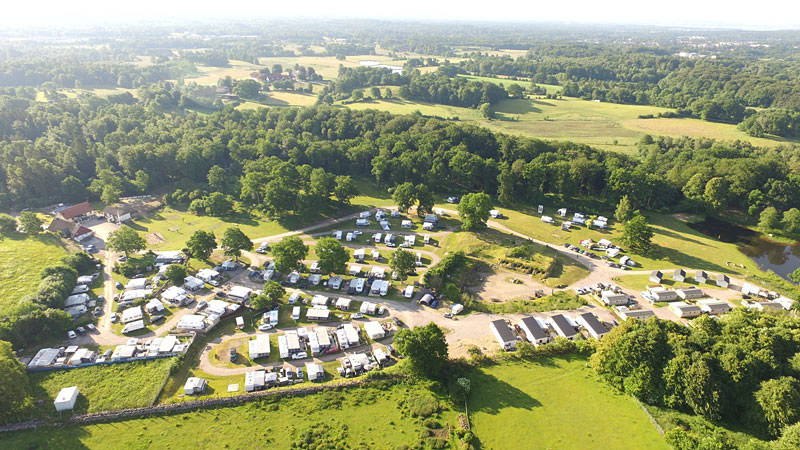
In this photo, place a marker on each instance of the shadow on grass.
(491, 395)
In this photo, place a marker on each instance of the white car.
(214, 283)
(301, 355)
(265, 327)
(357, 315)
(358, 232)
(71, 334)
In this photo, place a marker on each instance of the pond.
(780, 258)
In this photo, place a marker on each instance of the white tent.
(65, 400)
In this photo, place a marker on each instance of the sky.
(763, 14)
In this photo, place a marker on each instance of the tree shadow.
(672, 234)
(519, 107)
(491, 395)
(682, 259)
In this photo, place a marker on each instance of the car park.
(71, 334)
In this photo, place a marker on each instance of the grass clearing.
(525, 84)
(559, 403)
(22, 258)
(102, 388)
(374, 416)
(559, 301)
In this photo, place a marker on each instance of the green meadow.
(22, 258)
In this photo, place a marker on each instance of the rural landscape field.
(367, 231)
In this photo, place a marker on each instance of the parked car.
(81, 331)
(98, 311)
(233, 355)
(357, 315)
(202, 304)
(221, 294)
(71, 334)
(119, 285)
(101, 299)
(122, 258)
(265, 327)
(448, 315)
(91, 327)
(301, 355)
(214, 283)
(156, 318)
(138, 275)
(114, 318)
(397, 322)
(300, 374)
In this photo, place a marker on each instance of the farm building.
(315, 372)
(690, 293)
(503, 335)
(258, 347)
(192, 322)
(69, 230)
(700, 276)
(679, 275)
(66, 398)
(562, 326)
(612, 298)
(194, 385)
(656, 276)
(592, 325)
(75, 211)
(685, 310)
(192, 284)
(723, 281)
(534, 331)
(713, 306)
(131, 314)
(318, 314)
(374, 330)
(343, 303)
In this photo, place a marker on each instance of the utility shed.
(503, 335)
(656, 276)
(723, 281)
(700, 276)
(66, 398)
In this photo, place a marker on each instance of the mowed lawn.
(102, 388)
(555, 403)
(22, 259)
(369, 417)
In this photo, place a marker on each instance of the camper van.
(240, 323)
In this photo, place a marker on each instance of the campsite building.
(534, 331)
(318, 314)
(685, 310)
(374, 330)
(194, 385)
(193, 284)
(592, 325)
(343, 303)
(612, 298)
(503, 334)
(656, 276)
(723, 281)
(713, 306)
(315, 372)
(640, 314)
(679, 275)
(700, 276)
(131, 314)
(66, 398)
(562, 326)
(259, 347)
(690, 293)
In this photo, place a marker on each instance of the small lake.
(780, 258)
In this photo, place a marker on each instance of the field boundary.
(650, 416)
(172, 408)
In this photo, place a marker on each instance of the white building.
(661, 294)
(592, 325)
(240, 293)
(612, 298)
(318, 314)
(136, 283)
(626, 313)
(343, 303)
(192, 322)
(562, 326)
(194, 385)
(315, 372)
(685, 310)
(66, 398)
(713, 306)
(348, 336)
(319, 300)
(690, 293)
(374, 330)
(207, 274)
(131, 314)
(259, 347)
(534, 331)
(765, 306)
(192, 284)
(503, 334)
(174, 295)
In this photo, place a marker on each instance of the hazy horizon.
(734, 14)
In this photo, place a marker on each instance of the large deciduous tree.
(474, 210)
(30, 222)
(175, 273)
(779, 400)
(345, 189)
(402, 262)
(332, 255)
(14, 390)
(624, 211)
(425, 348)
(637, 234)
(404, 195)
(201, 244)
(289, 253)
(234, 241)
(126, 240)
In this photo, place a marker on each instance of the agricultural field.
(22, 259)
(102, 388)
(376, 416)
(559, 403)
(550, 88)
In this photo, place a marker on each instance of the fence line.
(652, 419)
(171, 408)
(101, 363)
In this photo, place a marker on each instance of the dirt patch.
(496, 286)
(155, 239)
(685, 217)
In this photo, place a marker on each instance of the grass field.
(555, 403)
(676, 244)
(550, 88)
(368, 417)
(102, 388)
(22, 259)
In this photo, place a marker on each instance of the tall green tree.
(201, 243)
(332, 255)
(474, 210)
(175, 273)
(234, 241)
(402, 262)
(125, 240)
(716, 193)
(770, 219)
(425, 199)
(30, 222)
(274, 291)
(345, 189)
(624, 211)
(637, 234)
(8, 224)
(404, 196)
(791, 221)
(779, 400)
(289, 254)
(425, 348)
(15, 388)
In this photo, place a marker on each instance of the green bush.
(423, 406)
(432, 423)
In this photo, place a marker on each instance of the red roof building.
(75, 211)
